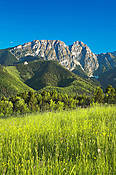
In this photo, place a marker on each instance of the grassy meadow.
(75, 142)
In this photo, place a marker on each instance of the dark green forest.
(42, 74)
(52, 100)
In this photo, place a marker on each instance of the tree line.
(28, 102)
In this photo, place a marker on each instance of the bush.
(6, 108)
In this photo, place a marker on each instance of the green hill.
(51, 75)
(10, 81)
(37, 75)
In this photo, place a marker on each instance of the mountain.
(108, 78)
(68, 56)
(79, 71)
(77, 58)
(106, 72)
(107, 61)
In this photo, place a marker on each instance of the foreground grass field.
(72, 143)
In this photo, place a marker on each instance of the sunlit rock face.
(69, 56)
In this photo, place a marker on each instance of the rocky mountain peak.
(68, 56)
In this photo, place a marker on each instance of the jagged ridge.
(68, 56)
(77, 57)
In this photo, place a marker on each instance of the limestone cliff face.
(68, 56)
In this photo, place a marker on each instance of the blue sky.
(90, 21)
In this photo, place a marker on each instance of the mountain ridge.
(77, 58)
(69, 56)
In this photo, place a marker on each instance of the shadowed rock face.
(68, 56)
(107, 61)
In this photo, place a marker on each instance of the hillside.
(40, 74)
(10, 81)
(108, 78)
(79, 71)
(57, 143)
(107, 62)
(6, 58)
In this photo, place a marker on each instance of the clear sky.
(90, 21)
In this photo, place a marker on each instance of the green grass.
(78, 142)
(10, 81)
